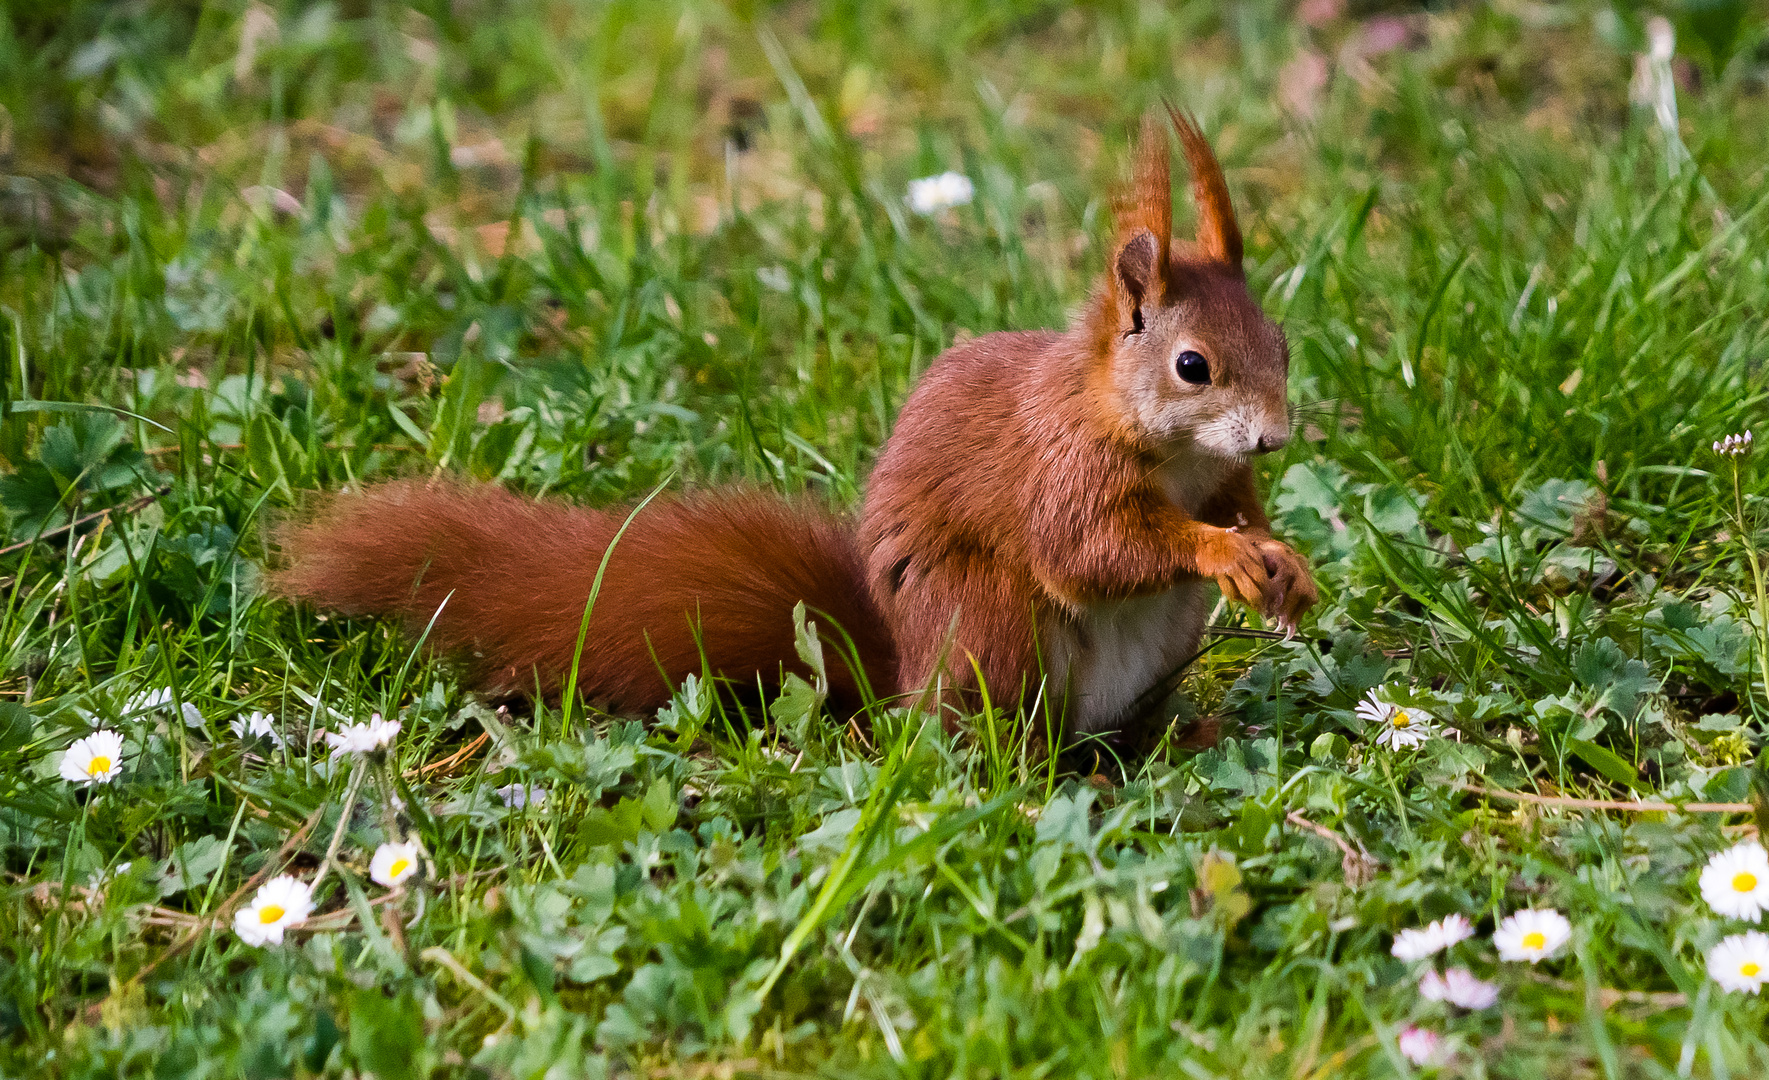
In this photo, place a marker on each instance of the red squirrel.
(1048, 513)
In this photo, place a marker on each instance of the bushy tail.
(716, 572)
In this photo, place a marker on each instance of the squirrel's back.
(506, 580)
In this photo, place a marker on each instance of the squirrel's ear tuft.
(1137, 270)
(1219, 238)
(1149, 205)
(1137, 274)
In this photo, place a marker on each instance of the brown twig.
(1338, 1059)
(155, 451)
(1609, 804)
(450, 761)
(339, 919)
(1218, 630)
(127, 508)
(1658, 999)
(706, 1070)
(390, 923)
(1359, 865)
(1295, 818)
(81, 899)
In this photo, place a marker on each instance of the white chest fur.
(1191, 478)
(1115, 650)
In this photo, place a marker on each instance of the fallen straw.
(1609, 804)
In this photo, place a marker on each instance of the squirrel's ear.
(1219, 238)
(1138, 273)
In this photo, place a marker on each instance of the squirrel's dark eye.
(1193, 368)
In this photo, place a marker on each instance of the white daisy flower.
(932, 194)
(393, 863)
(1534, 934)
(1422, 1046)
(516, 796)
(1397, 727)
(147, 701)
(280, 903)
(1410, 945)
(377, 734)
(1459, 987)
(96, 759)
(1740, 963)
(257, 725)
(1735, 882)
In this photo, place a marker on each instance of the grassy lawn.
(252, 250)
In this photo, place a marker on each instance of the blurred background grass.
(323, 191)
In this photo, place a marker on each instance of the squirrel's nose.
(1270, 441)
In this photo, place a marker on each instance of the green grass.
(583, 248)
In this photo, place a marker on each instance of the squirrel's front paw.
(1290, 588)
(1234, 560)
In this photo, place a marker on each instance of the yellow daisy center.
(1749, 969)
(98, 764)
(1744, 882)
(1401, 719)
(399, 867)
(1535, 939)
(270, 913)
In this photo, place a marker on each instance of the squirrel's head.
(1184, 352)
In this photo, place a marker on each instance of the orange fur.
(1149, 207)
(1219, 238)
(506, 580)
